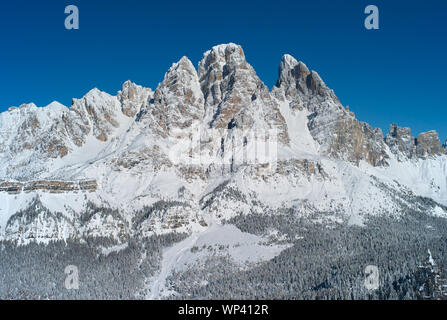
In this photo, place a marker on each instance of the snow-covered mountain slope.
(207, 144)
(221, 241)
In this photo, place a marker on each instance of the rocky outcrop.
(401, 142)
(354, 141)
(234, 94)
(301, 167)
(88, 185)
(31, 129)
(429, 145)
(31, 137)
(227, 81)
(133, 98)
(15, 187)
(338, 132)
(301, 87)
(97, 112)
(405, 146)
(178, 100)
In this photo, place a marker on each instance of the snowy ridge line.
(152, 151)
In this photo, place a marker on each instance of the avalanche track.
(243, 248)
(171, 257)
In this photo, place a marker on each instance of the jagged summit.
(178, 100)
(405, 146)
(183, 65)
(288, 60)
(223, 93)
(298, 83)
(234, 95)
(210, 174)
(137, 149)
(400, 141)
(221, 69)
(228, 51)
(133, 98)
(339, 134)
(428, 144)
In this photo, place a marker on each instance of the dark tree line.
(326, 263)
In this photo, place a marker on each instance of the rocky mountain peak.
(234, 95)
(96, 112)
(178, 100)
(298, 84)
(288, 62)
(291, 70)
(401, 142)
(56, 106)
(184, 64)
(133, 97)
(224, 54)
(338, 132)
(232, 89)
(404, 146)
(220, 69)
(428, 145)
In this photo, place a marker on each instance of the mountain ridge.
(197, 143)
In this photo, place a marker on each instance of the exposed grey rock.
(15, 187)
(338, 132)
(299, 85)
(405, 146)
(234, 94)
(178, 100)
(401, 142)
(133, 97)
(225, 93)
(97, 112)
(428, 145)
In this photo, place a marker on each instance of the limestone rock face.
(30, 137)
(301, 87)
(404, 146)
(222, 71)
(224, 94)
(234, 94)
(401, 142)
(133, 97)
(197, 148)
(338, 132)
(428, 145)
(40, 130)
(178, 100)
(97, 112)
(355, 141)
(15, 187)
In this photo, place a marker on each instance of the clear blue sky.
(395, 74)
